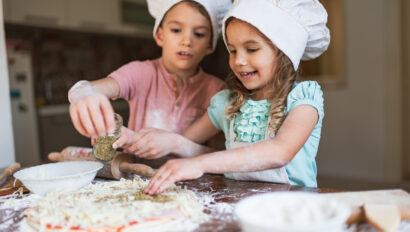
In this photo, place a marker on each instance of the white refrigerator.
(24, 117)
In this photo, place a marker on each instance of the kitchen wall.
(6, 135)
(361, 137)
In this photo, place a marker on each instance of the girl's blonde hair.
(280, 86)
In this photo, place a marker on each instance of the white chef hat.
(296, 27)
(215, 8)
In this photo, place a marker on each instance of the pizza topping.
(114, 205)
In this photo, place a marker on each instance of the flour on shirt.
(161, 120)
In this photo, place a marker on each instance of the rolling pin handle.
(72, 153)
(55, 156)
(13, 168)
(10, 170)
(140, 169)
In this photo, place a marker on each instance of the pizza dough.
(113, 206)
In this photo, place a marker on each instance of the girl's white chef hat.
(296, 27)
(215, 8)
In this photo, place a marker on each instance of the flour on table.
(11, 204)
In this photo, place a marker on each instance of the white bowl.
(69, 175)
(291, 212)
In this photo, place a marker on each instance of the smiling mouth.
(247, 75)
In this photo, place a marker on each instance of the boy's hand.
(93, 116)
(148, 143)
(173, 171)
(91, 111)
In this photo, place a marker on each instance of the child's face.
(185, 38)
(252, 56)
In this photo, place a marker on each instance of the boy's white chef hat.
(296, 27)
(215, 8)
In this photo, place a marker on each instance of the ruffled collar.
(251, 123)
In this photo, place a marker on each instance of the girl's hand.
(173, 171)
(148, 143)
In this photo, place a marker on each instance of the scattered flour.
(12, 207)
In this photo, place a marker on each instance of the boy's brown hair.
(197, 6)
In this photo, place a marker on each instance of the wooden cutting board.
(356, 200)
(11, 186)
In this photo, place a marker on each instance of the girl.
(271, 124)
(167, 93)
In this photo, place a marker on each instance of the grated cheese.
(112, 205)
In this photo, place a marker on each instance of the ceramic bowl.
(70, 175)
(291, 212)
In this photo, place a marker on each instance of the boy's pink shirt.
(149, 89)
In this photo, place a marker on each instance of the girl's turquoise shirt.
(250, 125)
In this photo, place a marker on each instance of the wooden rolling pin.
(8, 172)
(118, 168)
(8, 184)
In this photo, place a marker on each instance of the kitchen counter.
(230, 192)
(56, 129)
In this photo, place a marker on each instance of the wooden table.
(231, 191)
(221, 189)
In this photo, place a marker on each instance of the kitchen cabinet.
(91, 14)
(39, 12)
(133, 18)
(129, 17)
(6, 10)
(57, 130)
